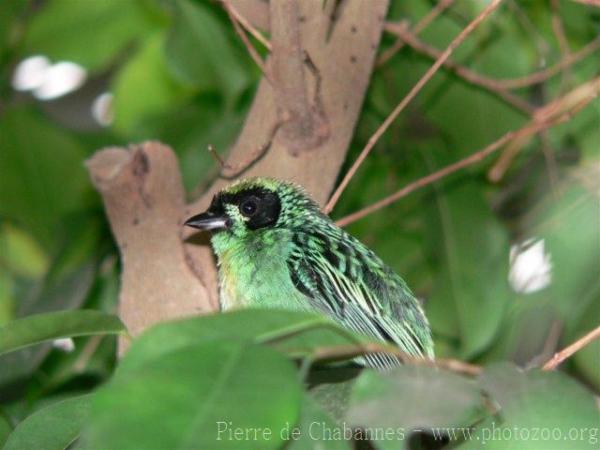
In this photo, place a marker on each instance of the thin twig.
(569, 103)
(530, 129)
(348, 351)
(251, 50)
(570, 350)
(441, 6)
(213, 152)
(549, 343)
(358, 348)
(246, 24)
(543, 75)
(413, 92)
(595, 3)
(559, 32)
(464, 72)
(231, 171)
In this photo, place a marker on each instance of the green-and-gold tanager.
(276, 249)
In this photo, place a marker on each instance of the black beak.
(207, 221)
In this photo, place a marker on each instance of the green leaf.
(44, 327)
(34, 160)
(198, 396)
(52, 295)
(412, 398)
(537, 410)
(54, 427)
(199, 52)
(5, 430)
(294, 332)
(65, 287)
(314, 431)
(569, 226)
(89, 33)
(472, 292)
(482, 118)
(144, 89)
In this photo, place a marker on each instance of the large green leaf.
(35, 158)
(293, 332)
(43, 327)
(472, 289)
(200, 54)
(88, 33)
(410, 398)
(54, 427)
(538, 410)
(207, 395)
(570, 228)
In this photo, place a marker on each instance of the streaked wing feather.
(359, 300)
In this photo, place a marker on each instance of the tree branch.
(144, 200)
(304, 126)
(168, 271)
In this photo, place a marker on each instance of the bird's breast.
(255, 275)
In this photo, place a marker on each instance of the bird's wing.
(338, 283)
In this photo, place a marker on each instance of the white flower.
(530, 266)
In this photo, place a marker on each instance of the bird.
(275, 248)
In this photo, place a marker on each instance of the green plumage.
(276, 249)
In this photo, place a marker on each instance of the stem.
(570, 350)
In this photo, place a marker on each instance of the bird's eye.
(249, 207)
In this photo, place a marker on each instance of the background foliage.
(179, 74)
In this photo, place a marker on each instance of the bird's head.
(256, 204)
